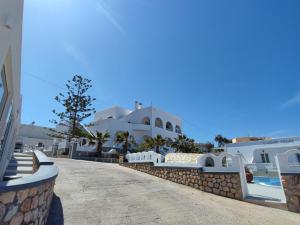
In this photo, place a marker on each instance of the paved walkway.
(91, 193)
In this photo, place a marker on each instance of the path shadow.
(56, 213)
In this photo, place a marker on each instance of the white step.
(19, 158)
(22, 155)
(20, 169)
(20, 163)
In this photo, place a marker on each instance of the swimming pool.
(269, 181)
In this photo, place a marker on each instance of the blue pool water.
(270, 181)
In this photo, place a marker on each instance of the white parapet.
(209, 162)
(144, 157)
(219, 163)
(288, 162)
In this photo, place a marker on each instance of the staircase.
(20, 165)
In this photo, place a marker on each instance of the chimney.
(136, 105)
(140, 106)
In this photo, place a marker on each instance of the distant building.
(140, 123)
(248, 139)
(11, 13)
(32, 136)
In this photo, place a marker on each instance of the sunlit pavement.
(89, 193)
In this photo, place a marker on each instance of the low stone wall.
(27, 200)
(28, 206)
(223, 184)
(291, 185)
(96, 159)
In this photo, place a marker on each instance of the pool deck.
(271, 193)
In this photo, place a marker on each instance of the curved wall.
(28, 200)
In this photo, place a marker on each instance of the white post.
(243, 177)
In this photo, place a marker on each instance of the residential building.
(32, 136)
(248, 139)
(11, 14)
(265, 151)
(140, 123)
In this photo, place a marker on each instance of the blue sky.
(229, 67)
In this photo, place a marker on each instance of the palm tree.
(222, 140)
(149, 143)
(209, 146)
(100, 139)
(126, 139)
(158, 142)
(184, 144)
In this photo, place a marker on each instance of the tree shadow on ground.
(56, 213)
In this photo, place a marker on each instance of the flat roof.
(285, 140)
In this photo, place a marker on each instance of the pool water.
(269, 181)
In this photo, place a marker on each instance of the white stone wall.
(286, 162)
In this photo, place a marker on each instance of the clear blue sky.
(229, 67)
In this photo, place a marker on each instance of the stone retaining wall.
(27, 200)
(28, 206)
(223, 184)
(96, 159)
(291, 185)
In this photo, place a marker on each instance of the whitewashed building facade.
(140, 123)
(11, 16)
(265, 151)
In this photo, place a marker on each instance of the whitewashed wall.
(11, 16)
(286, 162)
(142, 157)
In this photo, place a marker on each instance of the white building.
(140, 123)
(264, 151)
(11, 13)
(35, 136)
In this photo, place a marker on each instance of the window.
(265, 158)
(3, 90)
(209, 162)
(9, 122)
(178, 129)
(159, 123)
(146, 121)
(298, 157)
(224, 162)
(169, 126)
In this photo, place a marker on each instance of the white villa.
(264, 152)
(140, 123)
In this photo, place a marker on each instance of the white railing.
(144, 157)
(86, 148)
(63, 144)
(270, 167)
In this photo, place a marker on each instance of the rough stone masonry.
(291, 185)
(28, 206)
(223, 184)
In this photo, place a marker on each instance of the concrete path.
(91, 193)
